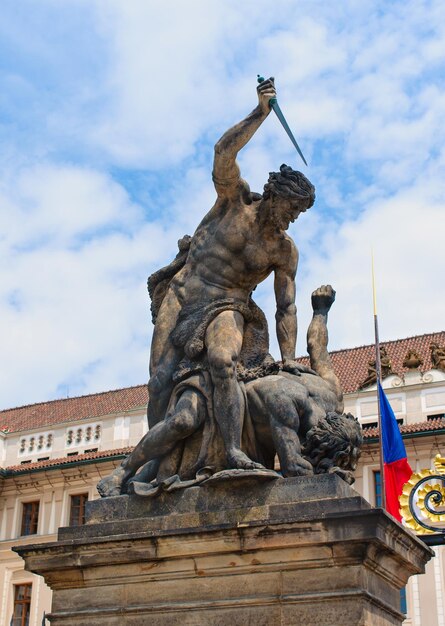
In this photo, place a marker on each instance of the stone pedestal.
(286, 552)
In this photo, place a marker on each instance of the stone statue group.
(220, 407)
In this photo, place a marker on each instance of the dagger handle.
(272, 101)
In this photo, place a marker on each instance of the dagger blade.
(276, 108)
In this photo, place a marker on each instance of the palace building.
(52, 455)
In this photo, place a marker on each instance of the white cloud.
(95, 91)
(73, 305)
(406, 233)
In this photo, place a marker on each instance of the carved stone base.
(290, 551)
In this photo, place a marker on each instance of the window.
(30, 518)
(77, 511)
(22, 605)
(377, 488)
(403, 607)
(366, 425)
(436, 416)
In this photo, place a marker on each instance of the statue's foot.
(297, 470)
(298, 467)
(112, 485)
(239, 460)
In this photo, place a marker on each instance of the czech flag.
(395, 464)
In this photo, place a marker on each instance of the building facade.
(53, 454)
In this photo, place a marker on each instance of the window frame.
(81, 514)
(35, 518)
(377, 487)
(25, 617)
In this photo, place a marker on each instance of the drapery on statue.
(217, 399)
(237, 245)
(299, 417)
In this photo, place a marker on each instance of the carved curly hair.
(289, 183)
(329, 445)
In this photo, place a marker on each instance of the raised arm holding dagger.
(238, 244)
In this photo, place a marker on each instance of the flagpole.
(378, 369)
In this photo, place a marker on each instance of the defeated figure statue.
(297, 417)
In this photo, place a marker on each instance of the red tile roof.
(350, 364)
(67, 460)
(409, 429)
(47, 414)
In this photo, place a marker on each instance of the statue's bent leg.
(224, 338)
(188, 415)
(288, 446)
(164, 359)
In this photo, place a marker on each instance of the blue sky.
(109, 111)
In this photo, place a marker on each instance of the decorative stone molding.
(397, 381)
(427, 377)
(83, 435)
(433, 376)
(413, 377)
(36, 443)
(304, 550)
(433, 400)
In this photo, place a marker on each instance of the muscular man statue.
(237, 245)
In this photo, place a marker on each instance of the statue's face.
(348, 459)
(284, 211)
(355, 455)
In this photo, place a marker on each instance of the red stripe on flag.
(397, 474)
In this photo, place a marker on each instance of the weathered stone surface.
(236, 495)
(218, 399)
(300, 551)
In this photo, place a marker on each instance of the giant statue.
(218, 401)
(240, 241)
